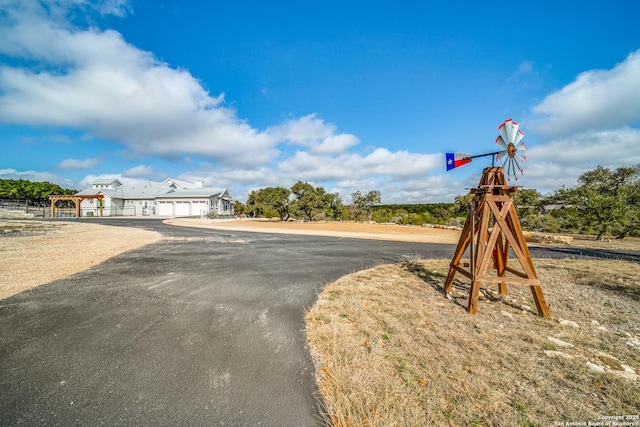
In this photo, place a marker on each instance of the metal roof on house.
(144, 190)
(113, 193)
(149, 190)
(105, 181)
(193, 192)
(182, 184)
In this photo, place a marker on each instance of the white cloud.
(587, 123)
(76, 164)
(138, 171)
(97, 84)
(401, 164)
(381, 162)
(609, 147)
(596, 100)
(94, 81)
(560, 161)
(304, 130)
(314, 134)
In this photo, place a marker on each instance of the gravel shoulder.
(399, 233)
(39, 252)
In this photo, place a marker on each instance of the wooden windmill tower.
(492, 232)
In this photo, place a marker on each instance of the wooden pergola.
(77, 200)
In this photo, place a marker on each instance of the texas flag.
(455, 160)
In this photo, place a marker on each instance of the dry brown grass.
(391, 349)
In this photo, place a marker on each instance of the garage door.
(165, 208)
(182, 208)
(199, 208)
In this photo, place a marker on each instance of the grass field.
(391, 349)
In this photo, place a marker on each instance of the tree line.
(304, 201)
(604, 202)
(34, 192)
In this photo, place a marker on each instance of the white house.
(170, 197)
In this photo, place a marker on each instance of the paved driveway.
(203, 328)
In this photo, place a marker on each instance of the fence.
(111, 211)
(24, 206)
(44, 210)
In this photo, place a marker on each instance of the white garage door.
(165, 208)
(182, 208)
(198, 208)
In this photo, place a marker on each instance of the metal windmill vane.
(510, 140)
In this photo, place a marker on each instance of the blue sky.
(345, 95)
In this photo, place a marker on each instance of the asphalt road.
(202, 328)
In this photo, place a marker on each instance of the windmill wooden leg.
(505, 261)
(449, 281)
(476, 257)
(462, 246)
(541, 304)
(472, 306)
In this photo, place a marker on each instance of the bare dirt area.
(38, 252)
(401, 233)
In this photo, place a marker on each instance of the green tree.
(602, 200)
(239, 208)
(462, 205)
(334, 208)
(362, 205)
(528, 207)
(34, 192)
(440, 214)
(269, 202)
(382, 215)
(308, 200)
(631, 220)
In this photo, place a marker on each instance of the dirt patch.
(38, 252)
(400, 233)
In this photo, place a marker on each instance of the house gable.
(106, 184)
(182, 185)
